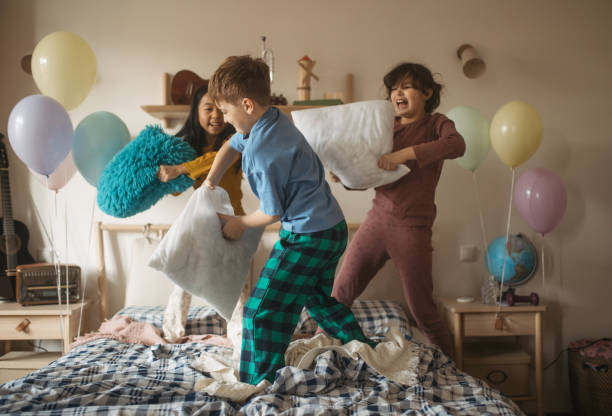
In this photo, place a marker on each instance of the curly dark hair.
(422, 79)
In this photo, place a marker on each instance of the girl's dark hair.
(193, 133)
(422, 79)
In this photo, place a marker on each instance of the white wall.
(554, 54)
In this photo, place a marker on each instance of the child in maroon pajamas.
(399, 224)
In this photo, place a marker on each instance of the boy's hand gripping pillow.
(350, 139)
(196, 257)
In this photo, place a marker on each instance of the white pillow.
(196, 257)
(349, 139)
(146, 286)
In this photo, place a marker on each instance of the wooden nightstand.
(35, 322)
(477, 320)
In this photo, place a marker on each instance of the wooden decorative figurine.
(304, 74)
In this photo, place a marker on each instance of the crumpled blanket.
(395, 358)
(124, 329)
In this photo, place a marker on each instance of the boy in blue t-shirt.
(288, 178)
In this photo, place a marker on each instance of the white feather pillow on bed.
(349, 139)
(196, 257)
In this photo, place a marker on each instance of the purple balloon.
(541, 199)
(40, 133)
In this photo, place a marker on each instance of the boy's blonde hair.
(241, 77)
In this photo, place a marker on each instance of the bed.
(107, 376)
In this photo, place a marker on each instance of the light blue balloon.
(97, 138)
(474, 127)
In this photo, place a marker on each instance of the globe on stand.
(515, 261)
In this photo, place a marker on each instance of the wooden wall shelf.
(167, 113)
(171, 114)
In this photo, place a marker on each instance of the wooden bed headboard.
(120, 228)
(386, 285)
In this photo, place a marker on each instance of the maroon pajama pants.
(410, 249)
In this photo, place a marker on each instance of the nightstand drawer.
(510, 379)
(16, 364)
(30, 327)
(483, 324)
(504, 366)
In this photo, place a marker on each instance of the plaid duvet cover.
(109, 377)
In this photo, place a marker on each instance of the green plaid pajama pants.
(300, 272)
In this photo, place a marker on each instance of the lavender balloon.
(541, 199)
(40, 133)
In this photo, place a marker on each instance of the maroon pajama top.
(398, 226)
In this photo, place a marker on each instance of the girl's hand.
(333, 177)
(232, 227)
(166, 173)
(387, 162)
(390, 161)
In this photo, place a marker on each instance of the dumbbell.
(511, 299)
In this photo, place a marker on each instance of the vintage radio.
(37, 283)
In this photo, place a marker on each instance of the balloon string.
(40, 220)
(543, 267)
(55, 262)
(501, 282)
(91, 222)
(482, 223)
(66, 252)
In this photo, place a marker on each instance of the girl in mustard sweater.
(206, 130)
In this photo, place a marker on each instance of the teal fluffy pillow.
(129, 184)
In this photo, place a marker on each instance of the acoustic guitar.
(14, 235)
(183, 85)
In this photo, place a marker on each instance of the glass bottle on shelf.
(268, 57)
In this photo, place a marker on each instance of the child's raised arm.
(224, 159)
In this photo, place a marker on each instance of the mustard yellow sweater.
(198, 168)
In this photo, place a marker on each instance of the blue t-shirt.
(286, 175)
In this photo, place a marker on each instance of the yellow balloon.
(516, 132)
(64, 68)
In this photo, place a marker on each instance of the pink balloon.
(541, 199)
(522, 192)
(60, 177)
